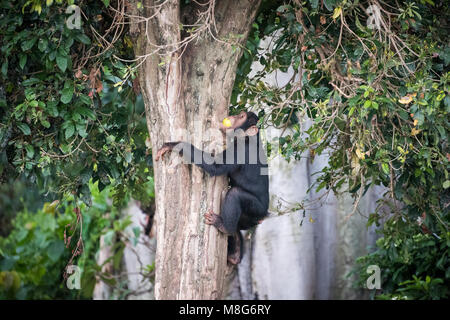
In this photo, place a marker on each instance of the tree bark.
(189, 89)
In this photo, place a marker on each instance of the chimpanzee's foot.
(234, 258)
(215, 220)
(211, 217)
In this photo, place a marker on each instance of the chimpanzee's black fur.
(247, 200)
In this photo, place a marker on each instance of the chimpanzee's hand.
(163, 150)
(166, 147)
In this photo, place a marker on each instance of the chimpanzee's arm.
(215, 166)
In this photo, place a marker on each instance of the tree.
(188, 54)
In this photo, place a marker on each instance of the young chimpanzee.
(244, 162)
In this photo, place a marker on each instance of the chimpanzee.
(244, 162)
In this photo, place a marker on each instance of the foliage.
(18, 195)
(68, 108)
(70, 113)
(33, 256)
(413, 265)
(375, 100)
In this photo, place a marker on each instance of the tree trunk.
(188, 88)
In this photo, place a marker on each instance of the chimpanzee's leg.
(231, 212)
(235, 243)
(240, 210)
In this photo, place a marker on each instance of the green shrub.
(413, 263)
(33, 256)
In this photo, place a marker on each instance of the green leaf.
(66, 95)
(358, 24)
(117, 258)
(85, 112)
(61, 61)
(85, 99)
(55, 250)
(30, 151)
(352, 109)
(52, 108)
(42, 44)
(24, 128)
(385, 167)
(5, 67)
(128, 156)
(30, 82)
(446, 184)
(329, 4)
(52, 55)
(45, 123)
(70, 130)
(82, 132)
(28, 44)
(83, 38)
(22, 60)
(137, 233)
(419, 117)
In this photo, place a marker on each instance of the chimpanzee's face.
(234, 122)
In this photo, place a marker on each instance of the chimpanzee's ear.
(253, 130)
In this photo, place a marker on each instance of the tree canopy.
(68, 108)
